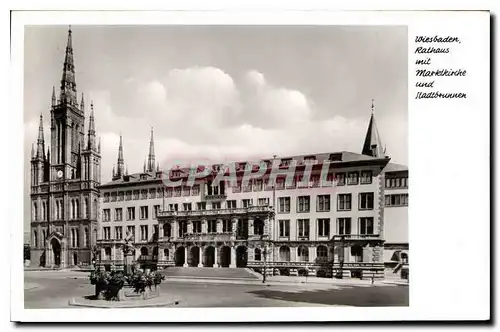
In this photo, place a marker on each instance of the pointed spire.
(113, 175)
(126, 169)
(91, 134)
(151, 156)
(120, 165)
(157, 167)
(373, 145)
(40, 144)
(32, 150)
(82, 104)
(373, 106)
(68, 83)
(53, 96)
(48, 155)
(144, 168)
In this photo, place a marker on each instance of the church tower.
(372, 145)
(65, 180)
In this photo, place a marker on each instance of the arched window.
(166, 253)
(284, 254)
(257, 255)
(303, 254)
(85, 207)
(77, 240)
(44, 237)
(43, 211)
(86, 237)
(94, 209)
(144, 251)
(35, 239)
(155, 251)
(35, 211)
(72, 210)
(322, 253)
(77, 208)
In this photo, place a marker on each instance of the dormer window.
(286, 162)
(335, 157)
(144, 177)
(176, 173)
(310, 160)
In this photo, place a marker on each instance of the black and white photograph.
(183, 166)
(216, 166)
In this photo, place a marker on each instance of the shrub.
(108, 283)
(158, 277)
(141, 280)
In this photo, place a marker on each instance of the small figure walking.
(373, 280)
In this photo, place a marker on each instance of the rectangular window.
(366, 177)
(106, 233)
(231, 204)
(396, 200)
(247, 186)
(136, 194)
(118, 233)
(186, 191)
(366, 201)
(263, 201)
(344, 226)
(197, 226)
(227, 226)
(284, 228)
(106, 197)
(323, 203)
(352, 178)
(168, 192)
(344, 202)
(196, 189)
(324, 227)
(257, 185)
(156, 211)
(366, 225)
(303, 228)
(131, 213)
(303, 203)
(113, 197)
(200, 206)
(173, 207)
(144, 232)
(186, 206)
(212, 226)
(105, 215)
(131, 231)
(152, 193)
(144, 212)
(340, 179)
(247, 203)
(284, 204)
(128, 195)
(177, 191)
(216, 206)
(286, 162)
(118, 214)
(144, 194)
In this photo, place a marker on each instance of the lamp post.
(265, 261)
(342, 257)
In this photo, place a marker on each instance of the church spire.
(40, 143)
(151, 157)
(53, 96)
(120, 165)
(373, 145)
(82, 104)
(91, 134)
(68, 83)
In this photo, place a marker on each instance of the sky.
(223, 93)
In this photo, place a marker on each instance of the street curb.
(112, 305)
(209, 278)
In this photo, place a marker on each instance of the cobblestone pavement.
(56, 288)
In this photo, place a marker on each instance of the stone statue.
(128, 248)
